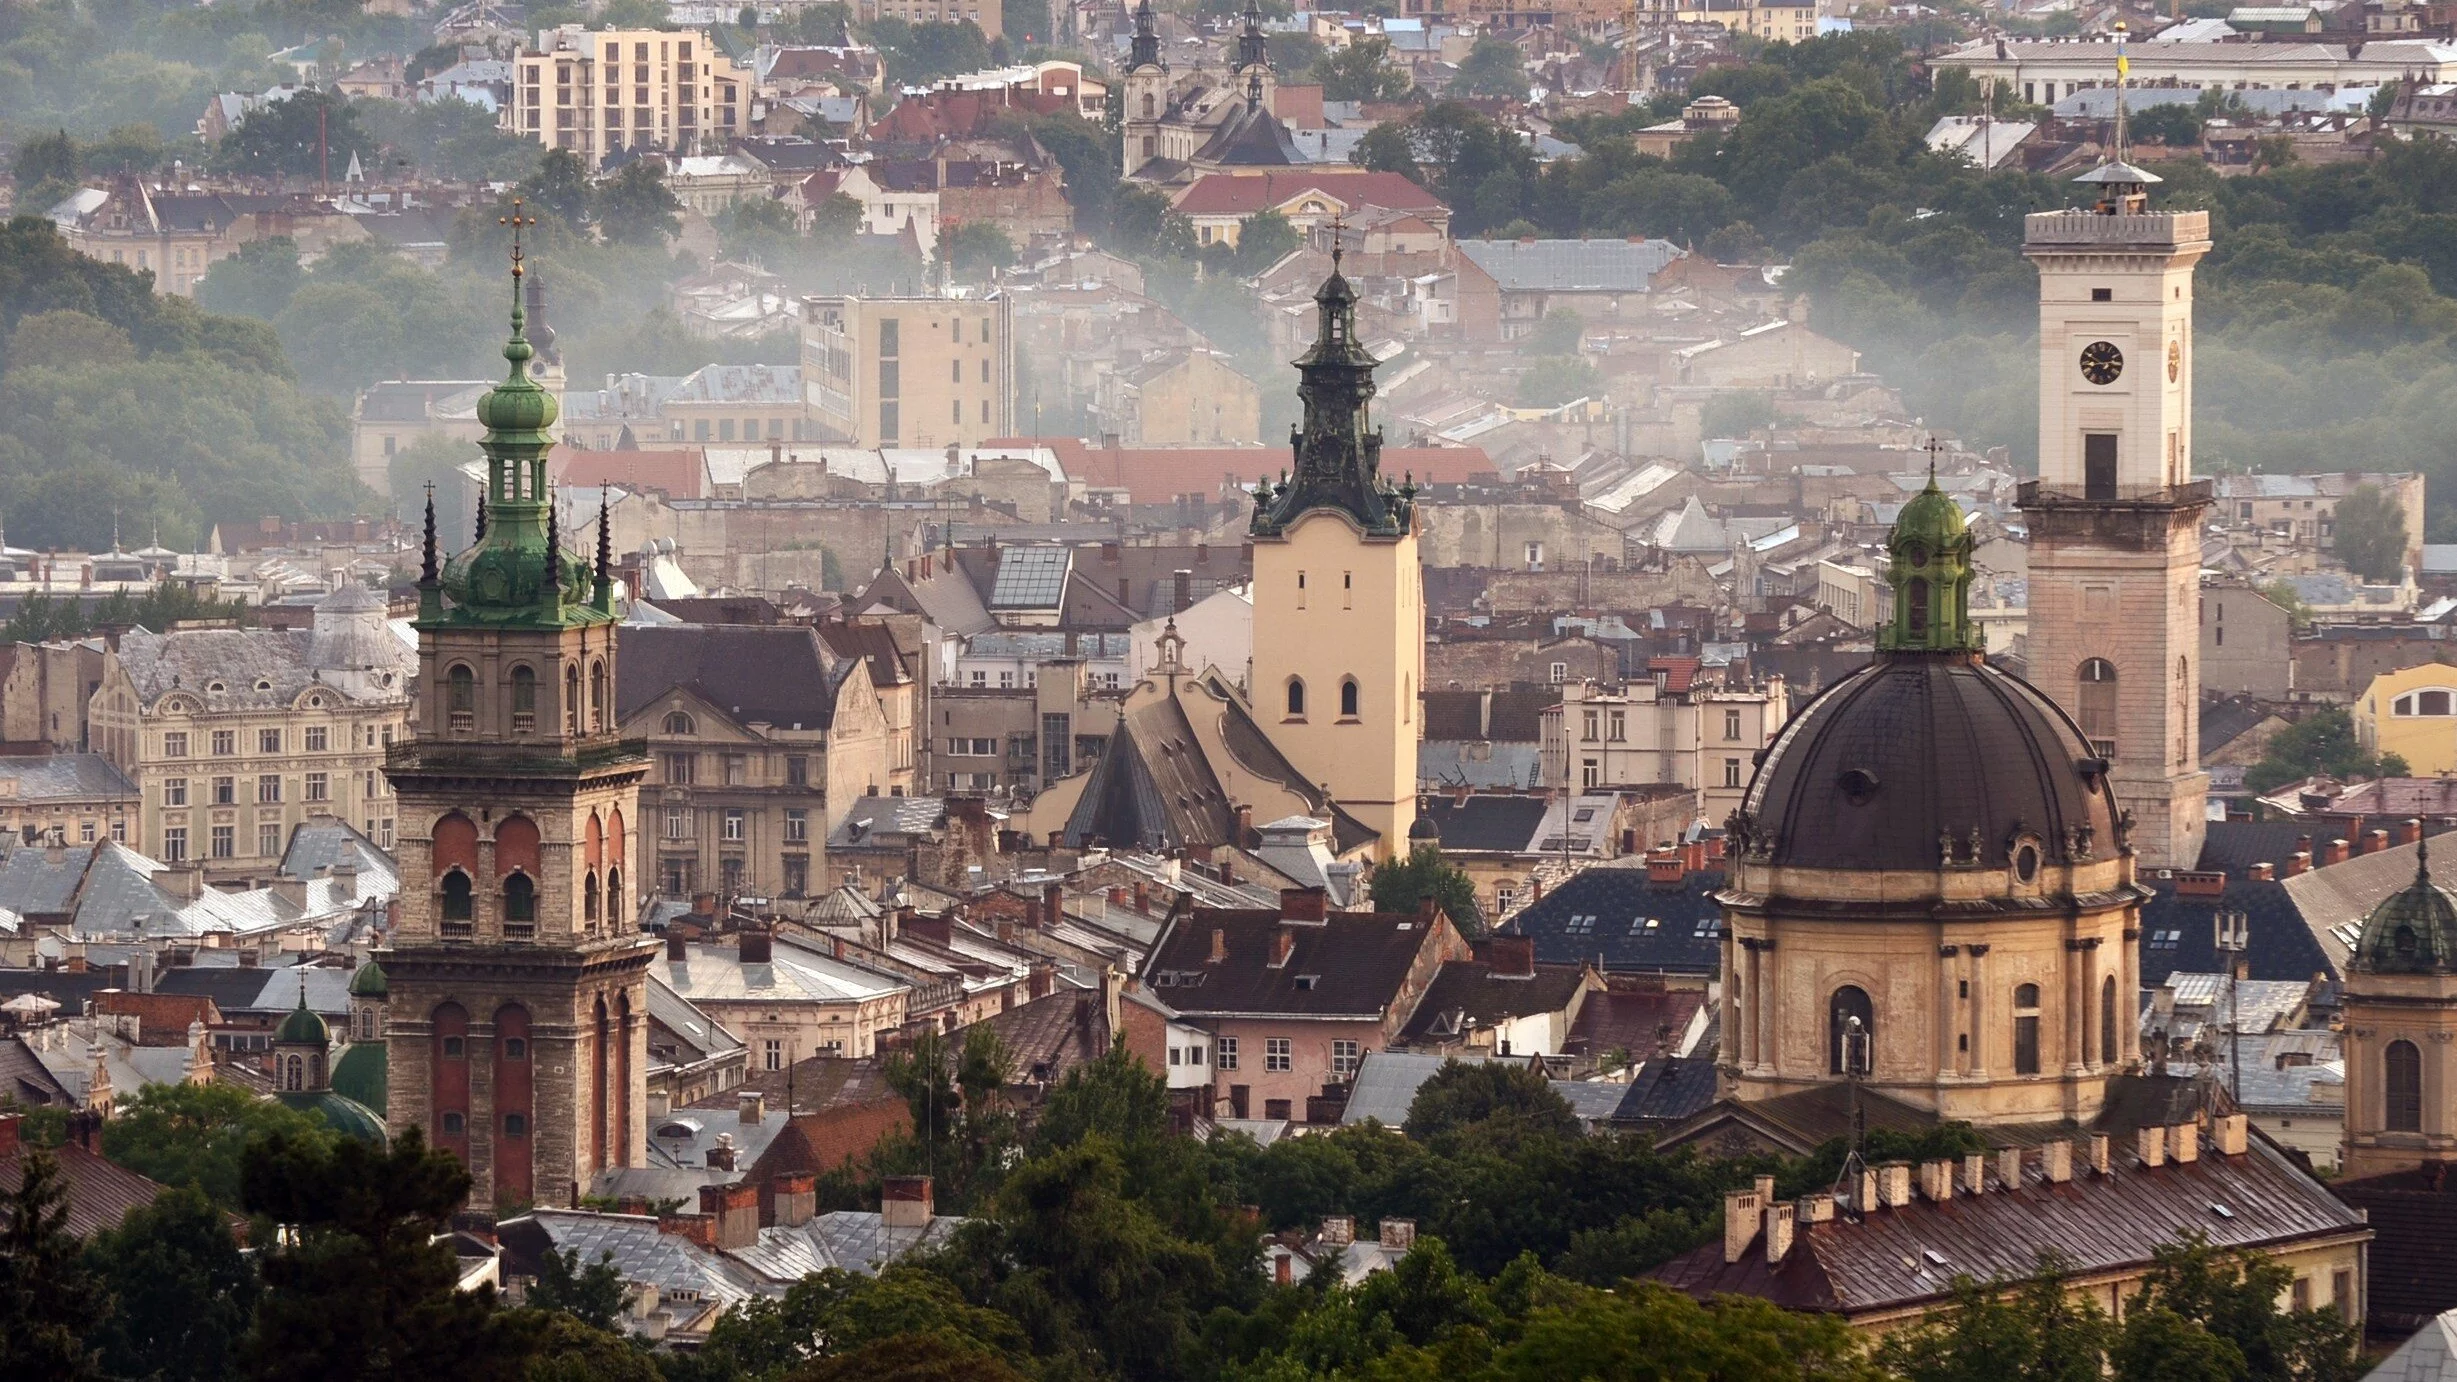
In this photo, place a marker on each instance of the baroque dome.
(1921, 760)
(2413, 930)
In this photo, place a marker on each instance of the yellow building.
(910, 371)
(1339, 605)
(2413, 714)
(601, 93)
(1189, 397)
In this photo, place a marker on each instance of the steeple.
(605, 553)
(1147, 38)
(1338, 450)
(1929, 567)
(1252, 50)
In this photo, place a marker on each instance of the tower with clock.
(2115, 515)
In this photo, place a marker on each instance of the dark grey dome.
(1910, 750)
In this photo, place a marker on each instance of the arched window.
(1296, 697)
(679, 723)
(457, 896)
(294, 1074)
(2402, 1071)
(571, 698)
(1147, 105)
(597, 696)
(615, 906)
(2107, 1020)
(461, 695)
(1851, 1032)
(1348, 697)
(588, 900)
(1918, 591)
(2026, 1029)
(524, 697)
(519, 898)
(2098, 704)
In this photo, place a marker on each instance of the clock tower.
(2115, 515)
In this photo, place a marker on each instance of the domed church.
(1932, 890)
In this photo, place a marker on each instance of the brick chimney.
(1937, 1179)
(1974, 1172)
(2409, 830)
(735, 1208)
(2299, 862)
(2228, 1134)
(1815, 1209)
(1053, 903)
(1740, 1218)
(1219, 946)
(1511, 957)
(2152, 1145)
(904, 1202)
(755, 947)
(1338, 1231)
(677, 949)
(2201, 883)
(1894, 1184)
(2375, 841)
(1779, 1232)
(754, 1106)
(2333, 852)
(1667, 868)
(1283, 945)
(8, 1133)
(2056, 1162)
(721, 1153)
(1398, 1235)
(796, 1198)
(699, 1228)
(1303, 904)
(2102, 1154)
(2184, 1143)
(2009, 1168)
(2263, 873)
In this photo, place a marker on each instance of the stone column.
(2073, 1014)
(1978, 1063)
(2128, 990)
(1751, 997)
(1769, 1035)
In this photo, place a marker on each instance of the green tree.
(2234, 1295)
(1461, 1095)
(311, 133)
(47, 158)
(358, 1284)
(68, 337)
(593, 1294)
(2322, 742)
(560, 186)
(1425, 875)
(2037, 1331)
(1736, 414)
(1264, 239)
(49, 1301)
(635, 207)
(258, 281)
(182, 1291)
(1560, 333)
(1388, 148)
(977, 249)
(1116, 1097)
(961, 1126)
(759, 228)
(202, 1135)
(1494, 67)
(1646, 1331)
(2371, 533)
(1557, 379)
(2175, 124)
(1025, 20)
(917, 54)
(1736, 243)
(1362, 71)
(909, 1358)
(838, 1314)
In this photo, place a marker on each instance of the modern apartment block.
(602, 93)
(910, 371)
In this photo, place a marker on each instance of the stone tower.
(2115, 515)
(1147, 93)
(1339, 606)
(2401, 1032)
(1252, 68)
(517, 1026)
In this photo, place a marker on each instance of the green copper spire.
(1929, 568)
(517, 572)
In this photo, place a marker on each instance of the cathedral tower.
(2401, 1031)
(1339, 607)
(517, 1032)
(1146, 95)
(2115, 515)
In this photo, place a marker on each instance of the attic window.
(1306, 982)
(1707, 926)
(2221, 1210)
(216, 686)
(1581, 924)
(1584, 813)
(1639, 926)
(263, 685)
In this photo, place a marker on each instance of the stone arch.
(1847, 1002)
(2401, 1080)
(453, 844)
(516, 846)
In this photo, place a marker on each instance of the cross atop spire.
(1339, 227)
(1933, 447)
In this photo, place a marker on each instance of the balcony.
(2039, 494)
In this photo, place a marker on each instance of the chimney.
(1338, 1231)
(2333, 852)
(1974, 1173)
(2263, 873)
(1181, 593)
(756, 947)
(2409, 830)
(904, 1202)
(736, 1211)
(1667, 868)
(1937, 1179)
(2153, 1146)
(1511, 957)
(2102, 1154)
(1245, 826)
(1815, 1209)
(1053, 903)
(249, 958)
(1399, 1235)
(1894, 1184)
(1219, 946)
(1283, 945)
(2227, 1134)
(2299, 862)
(699, 1228)
(796, 1199)
(1303, 904)
(2201, 883)
(1740, 1217)
(2056, 1162)
(8, 1133)
(2184, 1143)
(290, 891)
(1778, 1232)
(2375, 841)
(721, 1154)
(754, 1106)
(2009, 1168)
(1864, 1191)
(677, 949)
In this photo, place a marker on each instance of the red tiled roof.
(1159, 474)
(100, 1195)
(1224, 194)
(1679, 672)
(943, 114)
(680, 472)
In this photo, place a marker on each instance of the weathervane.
(1339, 227)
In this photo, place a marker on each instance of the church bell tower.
(517, 1032)
(1339, 605)
(2115, 515)
(1146, 95)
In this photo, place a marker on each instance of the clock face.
(2175, 361)
(2102, 362)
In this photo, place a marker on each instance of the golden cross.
(516, 221)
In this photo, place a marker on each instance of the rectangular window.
(175, 744)
(797, 825)
(1731, 724)
(268, 787)
(1731, 772)
(1590, 774)
(1344, 1059)
(891, 379)
(319, 738)
(2026, 1045)
(85, 832)
(319, 787)
(772, 1054)
(1617, 726)
(225, 841)
(797, 770)
(269, 839)
(737, 770)
(1590, 720)
(678, 822)
(2099, 465)
(2301, 1293)
(1278, 1053)
(1227, 1047)
(1057, 746)
(2342, 1293)
(888, 335)
(225, 791)
(175, 791)
(734, 827)
(678, 768)
(119, 831)
(268, 741)
(225, 743)
(887, 421)
(797, 875)
(175, 845)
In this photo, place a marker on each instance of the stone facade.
(1706, 739)
(2247, 643)
(910, 371)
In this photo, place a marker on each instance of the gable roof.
(1350, 966)
(1228, 194)
(781, 675)
(1600, 916)
(1589, 266)
(1494, 822)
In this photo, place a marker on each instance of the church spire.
(1253, 51)
(1338, 450)
(605, 552)
(1929, 567)
(1147, 37)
